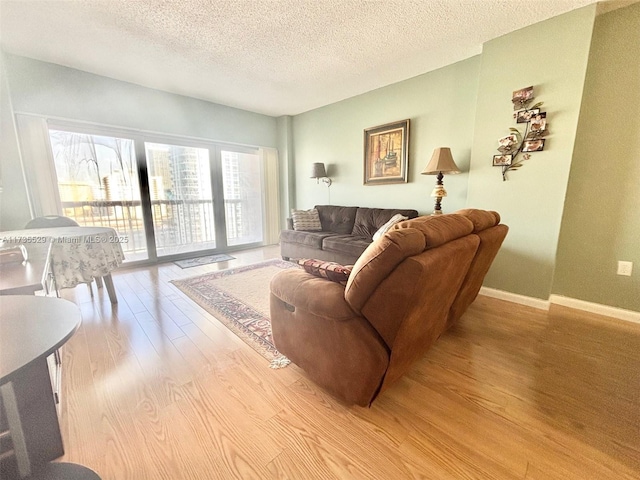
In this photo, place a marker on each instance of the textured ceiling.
(278, 57)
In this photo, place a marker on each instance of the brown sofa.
(346, 233)
(404, 291)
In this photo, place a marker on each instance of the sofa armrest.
(313, 326)
(319, 296)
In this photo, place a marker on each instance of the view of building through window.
(181, 198)
(98, 185)
(242, 197)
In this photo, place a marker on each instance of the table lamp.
(441, 162)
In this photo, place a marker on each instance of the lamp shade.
(318, 171)
(441, 161)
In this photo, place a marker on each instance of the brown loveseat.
(346, 233)
(404, 291)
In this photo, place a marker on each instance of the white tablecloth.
(77, 254)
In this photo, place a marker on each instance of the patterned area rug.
(239, 298)
(196, 262)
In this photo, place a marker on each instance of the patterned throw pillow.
(308, 220)
(329, 270)
(385, 228)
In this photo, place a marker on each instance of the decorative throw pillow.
(308, 220)
(392, 221)
(329, 270)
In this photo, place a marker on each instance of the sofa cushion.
(306, 220)
(347, 244)
(378, 261)
(337, 219)
(369, 220)
(330, 270)
(309, 239)
(387, 226)
(481, 219)
(438, 229)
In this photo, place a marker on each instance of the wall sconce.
(441, 162)
(318, 172)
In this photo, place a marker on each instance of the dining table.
(31, 329)
(74, 255)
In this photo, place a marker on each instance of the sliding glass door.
(98, 185)
(242, 176)
(192, 196)
(181, 198)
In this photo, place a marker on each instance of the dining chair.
(52, 221)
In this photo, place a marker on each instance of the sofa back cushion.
(409, 308)
(438, 229)
(377, 261)
(369, 220)
(397, 218)
(491, 234)
(337, 219)
(404, 240)
(481, 219)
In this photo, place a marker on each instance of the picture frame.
(386, 153)
(521, 97)
(538, 123)
(502, 160)
(507, 144)
(536, 145)
(524, 116)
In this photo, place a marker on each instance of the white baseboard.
(515, 298)
(621, 313)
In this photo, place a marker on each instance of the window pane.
(242, 180)
(98, 185)
(181, 198)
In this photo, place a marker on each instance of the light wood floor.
(156, 388)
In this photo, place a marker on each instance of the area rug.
(196, 262)
(239, 298)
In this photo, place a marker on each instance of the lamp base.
(437, 209)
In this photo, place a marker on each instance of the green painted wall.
(601, 223)
(287, 166)
(441, 107)
(552, 56)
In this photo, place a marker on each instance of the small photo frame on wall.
(507, 144)
(533, 145)
(538, 122)
(386, 153)
(523, 116)
(521, 97)
(502, 160)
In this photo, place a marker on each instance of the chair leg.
(98, 282)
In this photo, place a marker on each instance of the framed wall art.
(386, 153)
(502, 160)
(536, 145)
(518, 146)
